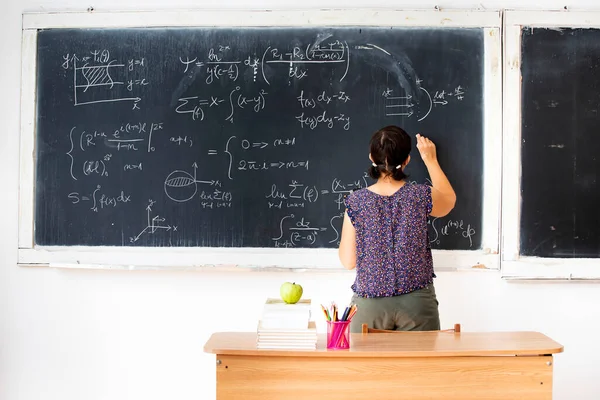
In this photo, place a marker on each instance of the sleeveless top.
(393, 253)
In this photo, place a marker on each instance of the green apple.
(290, 292)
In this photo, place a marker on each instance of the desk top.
(399, 344)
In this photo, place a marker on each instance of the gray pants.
(414, 311)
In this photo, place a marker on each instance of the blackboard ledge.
(213, 268)
(527, 269)
(224, 259)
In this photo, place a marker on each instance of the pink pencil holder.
(338, 335)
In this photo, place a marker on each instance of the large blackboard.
(560, 143)
(244, 137)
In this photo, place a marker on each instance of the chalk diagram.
(406, 103)
(153, 224)
(181, 186)
(94, 84)
(403, 106)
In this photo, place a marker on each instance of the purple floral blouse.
(393, 255)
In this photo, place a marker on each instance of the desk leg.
(461, 378)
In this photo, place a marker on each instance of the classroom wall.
(96, 335)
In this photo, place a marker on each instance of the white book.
(264, 338)
(276, 306)
(279, 315)
(286, 346)
(288, 341)
(288, 315)
(273, 324)
(266, 333)
(285, 326)
(273, 303)
(291, 312)
(284, 323)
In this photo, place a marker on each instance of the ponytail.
(376, 170)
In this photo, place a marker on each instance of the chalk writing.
(216, 199)
(296, 195)
(405, 106)
(297, 59)
(397, 105)
(196, 106)
(283, 117)
(313, 122)
(128, 137)
(99, 200)
(185, 140)
(322, 99)
(284, 142)
(248, 165)
(153, 224)
(451, 227)
(181, 186)
(133, 167)
(299, 232)
(98, 78)
(340, 189)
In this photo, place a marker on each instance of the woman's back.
(393, 255)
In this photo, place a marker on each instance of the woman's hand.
(442, 193)
(426, 148)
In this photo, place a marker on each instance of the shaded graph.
(99, 79)
(181, 186)
(95, 84)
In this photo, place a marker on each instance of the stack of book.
(286, 326)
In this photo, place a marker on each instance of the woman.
(384, 236)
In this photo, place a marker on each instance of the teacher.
(385, 236)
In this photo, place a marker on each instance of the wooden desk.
(407, 365)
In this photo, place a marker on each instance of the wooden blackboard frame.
(30, 254)
(515, 266)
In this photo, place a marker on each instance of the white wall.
(79, 334)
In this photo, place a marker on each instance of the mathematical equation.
(184, 185)
(98, 200)
(298, 195)
(295, 231)
(451, 227)
(128, 137)
(231, 89)
(301, 232)
(220, 63)
(196, 106)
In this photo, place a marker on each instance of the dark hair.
(389, 147)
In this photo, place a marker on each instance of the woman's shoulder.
(354, 197)
(414, 187)
(358, 193)
(417, 190)
(419, 195)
